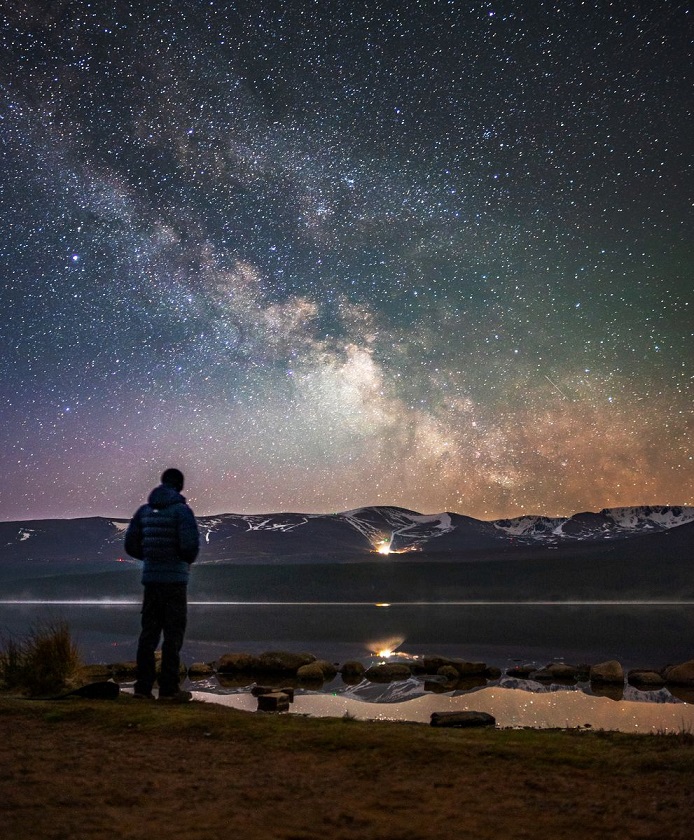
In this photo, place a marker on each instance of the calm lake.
(638, 635)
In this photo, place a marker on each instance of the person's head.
(173, 478)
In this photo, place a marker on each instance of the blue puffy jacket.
(164, 534)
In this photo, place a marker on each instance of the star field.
(322, 255)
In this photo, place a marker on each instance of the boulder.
(469, 669)
(352, 673)
(259, 690)
(275, 701)
(283, 662)
(555, 672)
(468, 683)
(311, 673)
(610, 672)
(388, 672)
(541, 675)
(646, 678)
(329, 669)
(462, 719)
(431, 664)
(492, 672)
(680, 674)
(123, 669)
(234, 663)
(200, 669)
(352, 668)
(449, 672)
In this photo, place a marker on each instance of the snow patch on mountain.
(647, 517)
(440, 521)
(397, 528)
(530, 526)
(275, 522)
(375, 523)
(208, 526)
(609, 523)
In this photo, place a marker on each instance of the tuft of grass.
(683, 736)
(43, 663)
(11, 660)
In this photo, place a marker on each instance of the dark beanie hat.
(174, 478)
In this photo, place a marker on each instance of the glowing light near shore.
(385, 648)
(385, 547)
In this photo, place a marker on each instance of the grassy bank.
(77, 769)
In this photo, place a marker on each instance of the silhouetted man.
(164, 534)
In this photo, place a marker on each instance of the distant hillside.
(352, 536)
(384, 553)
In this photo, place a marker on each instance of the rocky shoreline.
(439, 673)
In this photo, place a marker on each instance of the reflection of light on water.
(510, 707)
(387, 648)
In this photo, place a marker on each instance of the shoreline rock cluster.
(440, 673)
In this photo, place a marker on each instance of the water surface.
(638, 635)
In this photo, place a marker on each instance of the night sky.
(324, 254)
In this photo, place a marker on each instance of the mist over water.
(115, 602)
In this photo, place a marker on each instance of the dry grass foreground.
(74, 769)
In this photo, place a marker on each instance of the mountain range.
(355, 535)
(386, 552)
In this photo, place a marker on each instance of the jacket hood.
(165, 496)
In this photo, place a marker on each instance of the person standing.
(164, 535)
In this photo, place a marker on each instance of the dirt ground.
(134, 769)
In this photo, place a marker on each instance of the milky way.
(328, 254)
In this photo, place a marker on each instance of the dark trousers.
(164, 610)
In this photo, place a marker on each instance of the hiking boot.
(178, 697)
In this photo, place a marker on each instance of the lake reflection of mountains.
(376, 553)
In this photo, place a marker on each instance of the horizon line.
(127, 517)
(92, 602)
